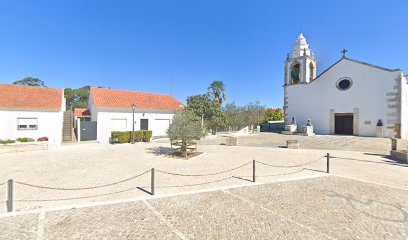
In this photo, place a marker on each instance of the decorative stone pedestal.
(290, 129)
(380, 131)
(292, 144)
(307, 130)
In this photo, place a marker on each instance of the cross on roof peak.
(344, 51)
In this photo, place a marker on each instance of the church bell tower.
(300, 64)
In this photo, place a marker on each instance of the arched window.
(311, 68)
(295, 73)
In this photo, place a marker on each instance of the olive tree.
(185, 127)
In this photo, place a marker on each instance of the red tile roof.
(82, 112)
(25, 97)
(125, 98)
(281, 110)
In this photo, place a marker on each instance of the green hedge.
(25, 139)
(126, 136)
(7, 141)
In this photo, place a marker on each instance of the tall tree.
(210, 111)
(30, 81)
(254, 114)
(273, 114)
(77, 98)
(236, 116)
(217, 91)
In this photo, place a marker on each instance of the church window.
(344, 84)
(295, 74)
(311, 67)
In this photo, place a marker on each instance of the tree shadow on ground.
(387, 160)
(159, 151)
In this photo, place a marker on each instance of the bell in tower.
(300, 64)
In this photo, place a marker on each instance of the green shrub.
(138, 136)
(143, 135)
(25, 139)
(149, 135)
(7, 141)
(126, 136)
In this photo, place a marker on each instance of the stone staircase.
(67, 127)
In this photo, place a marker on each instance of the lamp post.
(133, 123)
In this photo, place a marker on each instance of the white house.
(350, 97)
(32, 112)
(112, 110)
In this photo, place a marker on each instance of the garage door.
(160, 127)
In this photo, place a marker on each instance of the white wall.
(106, 114)
(368, 93)
(49, 125)
(404, 108)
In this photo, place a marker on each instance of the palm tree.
(216, 90)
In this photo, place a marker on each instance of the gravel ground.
(316, 208)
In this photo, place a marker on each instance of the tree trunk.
(184, 148)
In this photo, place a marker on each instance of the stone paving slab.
(218, 215)
(339, 207)
(316, 208)
(119, 221)
(19, 227)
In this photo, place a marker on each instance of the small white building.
(32, 112)
(350, 97)
(112, 111)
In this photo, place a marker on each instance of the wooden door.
(344, 124)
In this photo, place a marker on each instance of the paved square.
(316, 208)
(85, 166)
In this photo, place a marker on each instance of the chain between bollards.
(253, 170)
(328, 163)
(10, 195)
(152, 182)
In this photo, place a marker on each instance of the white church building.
(350, 97)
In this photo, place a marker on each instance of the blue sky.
(179, 47)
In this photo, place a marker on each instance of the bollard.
(394, 143)
(328, 163)
(10, 195)
(152, 182)
(253, 170)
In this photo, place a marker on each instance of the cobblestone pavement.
(315, 208)
(331, 142)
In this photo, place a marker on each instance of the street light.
(133, 123)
